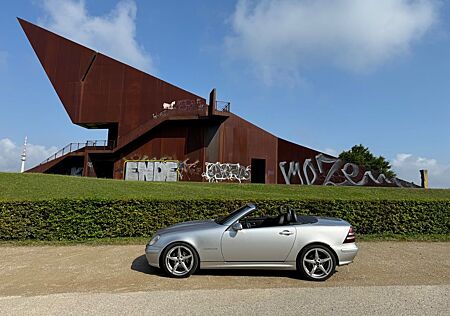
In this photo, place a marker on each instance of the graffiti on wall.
(160, 169)
(329, 169)
(188, 105)
(151, 170)
(76, 171)
(186, 169)
(181, 105)
(216, 171)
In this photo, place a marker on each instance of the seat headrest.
(287, 217)
(281, 219)
(293, 215)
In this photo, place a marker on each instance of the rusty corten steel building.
(154, 126)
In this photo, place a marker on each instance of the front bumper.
(346, 253)
(152, 254)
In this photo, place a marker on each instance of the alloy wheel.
(318, 263)
(179, 260)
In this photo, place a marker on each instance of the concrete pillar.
(424, 178)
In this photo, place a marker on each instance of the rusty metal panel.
(170, 142)
(64, 62)
(211, 141)
(243, 141)
(101, 93)
(96, 89)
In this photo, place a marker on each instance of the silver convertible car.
(312, 245)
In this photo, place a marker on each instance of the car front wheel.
(316, 263)
(179, 260)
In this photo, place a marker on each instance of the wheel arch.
(333, 252)
(178, 242)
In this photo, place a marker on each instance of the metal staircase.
(72, 147)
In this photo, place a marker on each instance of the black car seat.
(280, 219)
(293, 216)
(287, 218)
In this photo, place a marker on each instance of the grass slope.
(26, 187)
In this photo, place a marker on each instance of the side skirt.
(248, 265)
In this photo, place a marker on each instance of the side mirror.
(236, 226)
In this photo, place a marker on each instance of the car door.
(270, 244)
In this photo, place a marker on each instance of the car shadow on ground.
(140, 265)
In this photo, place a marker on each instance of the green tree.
(362, 156)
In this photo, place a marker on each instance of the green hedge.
(94, 218)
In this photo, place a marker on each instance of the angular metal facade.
(149, 119)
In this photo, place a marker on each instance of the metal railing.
(97, 144)
(223, 106)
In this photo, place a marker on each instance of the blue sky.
(325, 74)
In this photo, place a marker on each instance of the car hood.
(191, 225)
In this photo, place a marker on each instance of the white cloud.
(113, 34)
(10, 154)
(407, 167)
(282, 37)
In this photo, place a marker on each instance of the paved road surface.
(386, 278)
(375, 300)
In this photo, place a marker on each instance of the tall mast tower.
(24, 156)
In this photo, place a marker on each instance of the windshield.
(222, 220)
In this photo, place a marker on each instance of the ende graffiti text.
(151, 170)
(310, 173)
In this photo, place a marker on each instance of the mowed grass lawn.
(18, 187)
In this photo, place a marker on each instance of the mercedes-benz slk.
(246, 239)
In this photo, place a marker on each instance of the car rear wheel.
(179, 260)
(316, 263)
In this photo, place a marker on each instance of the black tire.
(176, 267)
(316, 269)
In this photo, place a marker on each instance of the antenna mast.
(24, 156)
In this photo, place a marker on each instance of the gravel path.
(387, 278)
(29, 271)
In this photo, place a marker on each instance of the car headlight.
(154, 240)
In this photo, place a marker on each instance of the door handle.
(286, 233)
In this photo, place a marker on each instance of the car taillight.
(350, 236)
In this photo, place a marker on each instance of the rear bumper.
(152, 255)
(346, 253)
